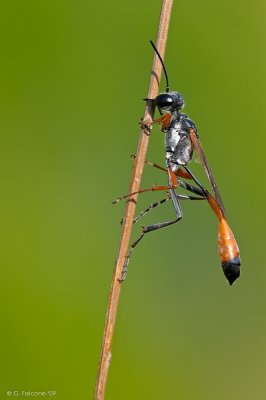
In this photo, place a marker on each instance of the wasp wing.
(198, 147)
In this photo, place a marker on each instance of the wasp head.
(169, 101)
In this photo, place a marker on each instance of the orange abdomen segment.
(228, 252)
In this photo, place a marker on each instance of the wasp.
(181, 142)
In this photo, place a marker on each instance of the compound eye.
(164, 100)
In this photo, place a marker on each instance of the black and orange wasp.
(182, 140)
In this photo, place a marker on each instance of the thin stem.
(105, 357)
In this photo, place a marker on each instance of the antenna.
(164, 69)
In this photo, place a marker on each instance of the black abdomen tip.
(231, 269)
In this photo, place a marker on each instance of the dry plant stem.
(105, 357)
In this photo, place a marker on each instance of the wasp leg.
(211, 200)
(154, 227)
(164, 120)
(175, 199)
(145, 230)
(158, 203)
(172, 179)
(150, 207)
(173, 183)
(180, 172)
(153, 189)
(196, 180)
(186, 197)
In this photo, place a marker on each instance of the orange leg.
(172, 178)
(180, 172)
(164, 120)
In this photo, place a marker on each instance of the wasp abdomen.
(229, 252)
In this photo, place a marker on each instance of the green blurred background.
(73, 74)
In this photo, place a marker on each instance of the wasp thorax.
(171, 101)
